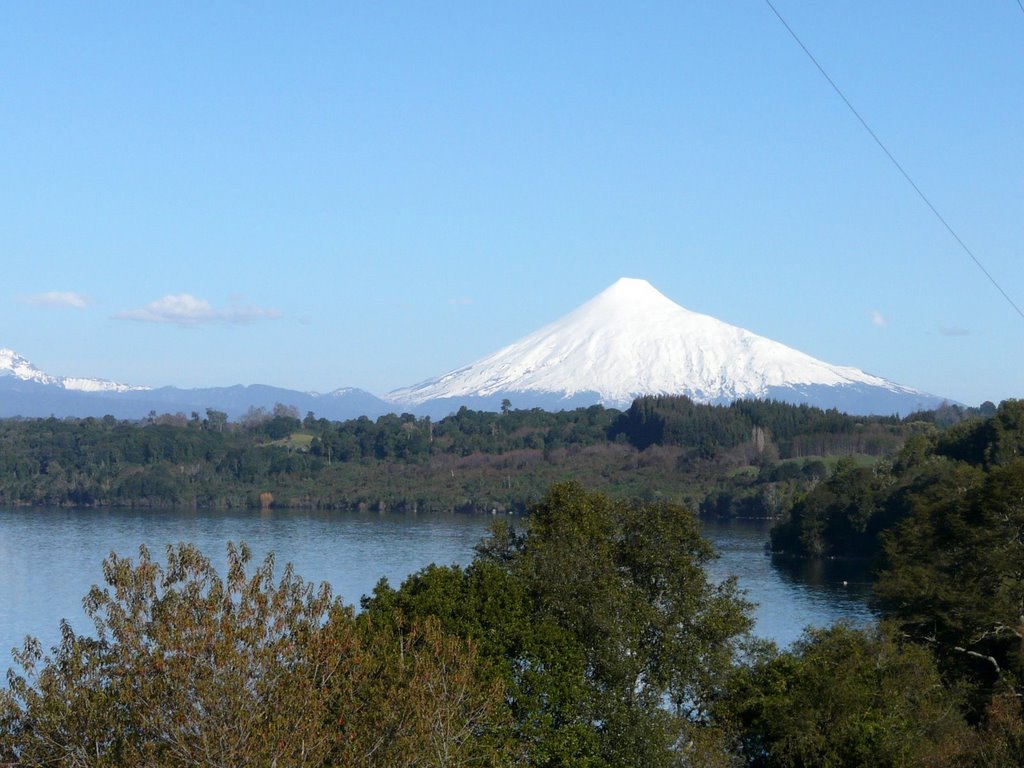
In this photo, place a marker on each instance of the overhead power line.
(895, 162)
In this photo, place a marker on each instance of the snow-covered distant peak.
(632, 340)
(13, 364)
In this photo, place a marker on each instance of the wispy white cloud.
(188, 310)
(57, 299)
(878, 319)
(953, 331)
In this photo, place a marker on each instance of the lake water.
(790, 594)
(50, 557)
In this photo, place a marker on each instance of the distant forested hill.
(750, 458)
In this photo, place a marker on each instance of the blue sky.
(343, 194)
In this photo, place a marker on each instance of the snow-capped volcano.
(13, 364)
(631, 340)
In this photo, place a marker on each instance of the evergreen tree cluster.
(796, 431)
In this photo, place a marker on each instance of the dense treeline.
(849, 514)
(591, 637)
(209, 461)
(793, 431)
(751, 458)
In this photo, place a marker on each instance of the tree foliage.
(596, 617)
(954, 574)
(188, 669)
(842, 697)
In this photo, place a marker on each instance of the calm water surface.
(50, 557)
(790, 594)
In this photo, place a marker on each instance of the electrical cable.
(895, 162)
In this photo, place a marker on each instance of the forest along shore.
(751, 458)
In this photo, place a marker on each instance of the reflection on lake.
(50, 557)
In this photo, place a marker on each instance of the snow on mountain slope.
(13, 364)
(97, 385)
(631, 340)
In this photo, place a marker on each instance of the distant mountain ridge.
(631, 340)
(27, 391)
(627, 341)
